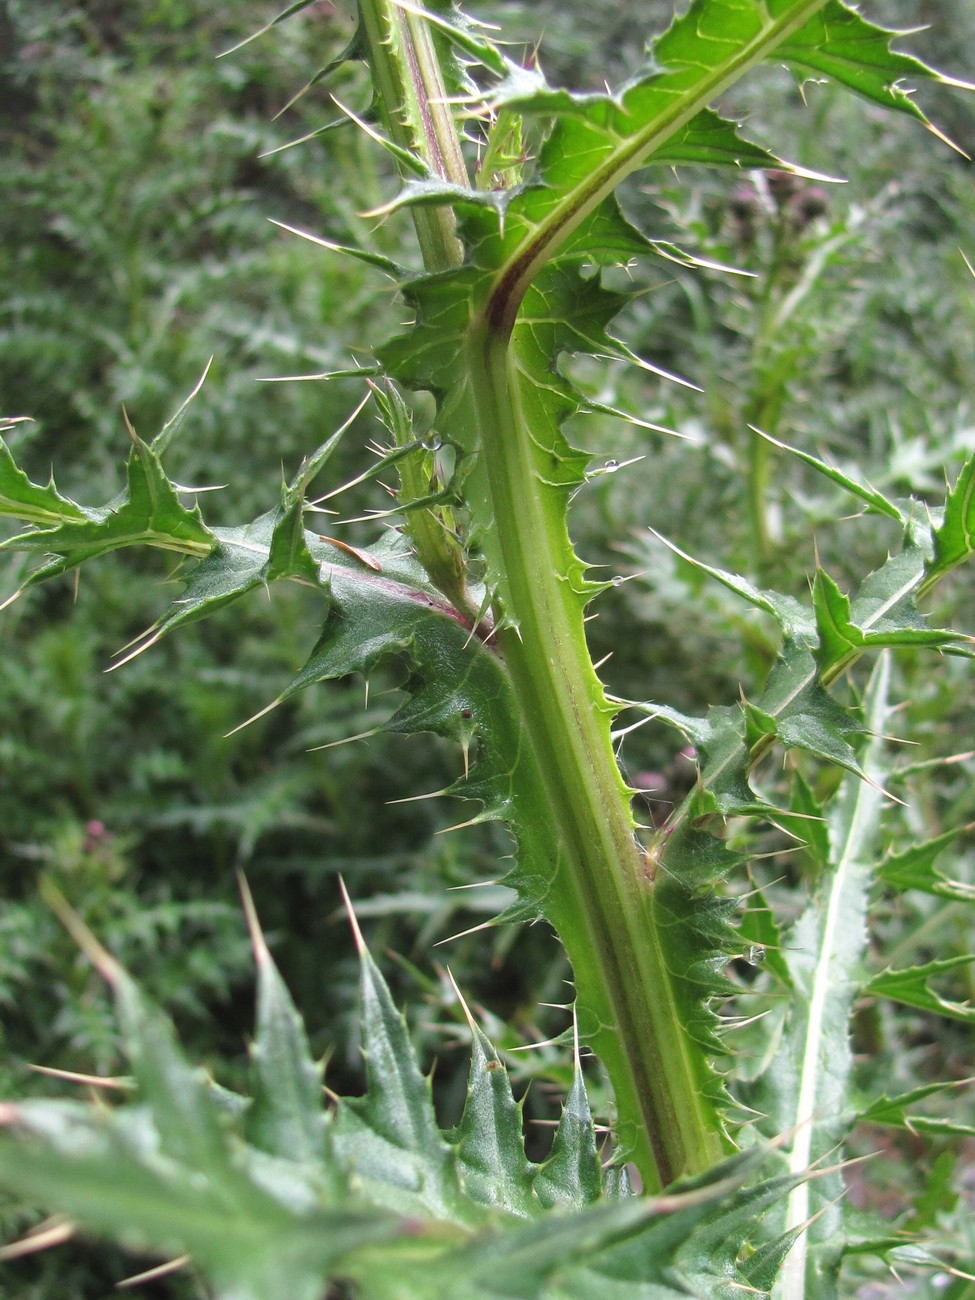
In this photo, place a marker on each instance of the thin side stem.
(411, 90)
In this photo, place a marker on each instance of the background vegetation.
(139, 173)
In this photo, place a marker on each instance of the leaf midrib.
(524, 262)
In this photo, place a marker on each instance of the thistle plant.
(715, 1182)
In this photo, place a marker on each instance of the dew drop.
(433, 443)
(611, 467)
(618, 580)
(754, 954)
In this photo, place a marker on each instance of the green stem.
(609, 927)
(408, 79)
(609, 924)
(411, 89)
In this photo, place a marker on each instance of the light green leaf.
(170, 1174)
(148, 513)
(572, 1175)
(105, 1172)
(874, 499)
(286, 1116)
(791, 616)
(913, 868)
(840, 43)
(954, 538)
(644, 1248)
(840, 638)
(895, 1111)
(187, 1119)
(489, 1143)
(760, 930)
(805, 1087)
(296, 7)
(22, 499)
(389, 1139)
(912, 986)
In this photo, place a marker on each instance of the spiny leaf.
(572, 1175)
(840, 638)
(188, 1121)
(487, 341)
(806, 819)
(895, 1111)
(874, 499)
(273, 546)
(286, 1116)
(939, 1195)
(389, 1139)
(886, 600)
(102, 1171)
(293, 1213)
(794, 708)
(815, 722)
(805, 1086)
(653, 1247)
(173, 425)
(22, 499)
(430, 523)
(913, 868)
(490, 1150)
(912, 986)
(169, 1175)
(759, 929)
(954, 538)
(791, 616)
(148, 513)
(461, 33)
(186, 1116)
(296, 7)
(370, 258)
(841, 43)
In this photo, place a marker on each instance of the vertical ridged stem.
(411, 90)
(413, 97)
(610, 924)
(608, 927)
